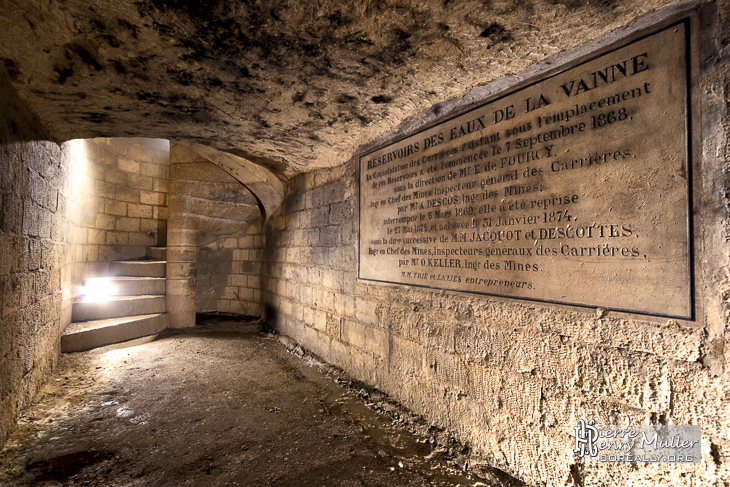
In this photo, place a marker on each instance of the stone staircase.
(136, 310)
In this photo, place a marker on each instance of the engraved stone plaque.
(573, 189)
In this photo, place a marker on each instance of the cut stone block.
(92, 334)
(138, 268)
(116, 307)
(157, 253)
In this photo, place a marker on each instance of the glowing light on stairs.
(97, 290)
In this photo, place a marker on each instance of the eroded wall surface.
(511, 378)
(36, 233)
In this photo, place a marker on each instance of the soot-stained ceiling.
(292, 85)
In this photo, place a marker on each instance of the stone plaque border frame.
(685, 18)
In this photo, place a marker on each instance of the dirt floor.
(218, 404)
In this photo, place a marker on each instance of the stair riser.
(142, 287)
(115, 309)
(157, 253)
(138, 269)
(99, 337)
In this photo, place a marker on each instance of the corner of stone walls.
(121, 206)
(229, 273)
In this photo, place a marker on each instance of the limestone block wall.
(229, 273)
(510, 378)
(36, 233)
(121, 203)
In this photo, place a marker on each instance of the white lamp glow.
(97, 290)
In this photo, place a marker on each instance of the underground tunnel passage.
(364, 243)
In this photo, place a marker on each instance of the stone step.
(92, 334)
(157, 253)
(138, 268)
(117, 307)
(134, 286)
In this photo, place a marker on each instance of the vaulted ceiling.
(291, 85)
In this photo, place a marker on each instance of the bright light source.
(98, 290)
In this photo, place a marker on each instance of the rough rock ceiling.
(290, 84)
